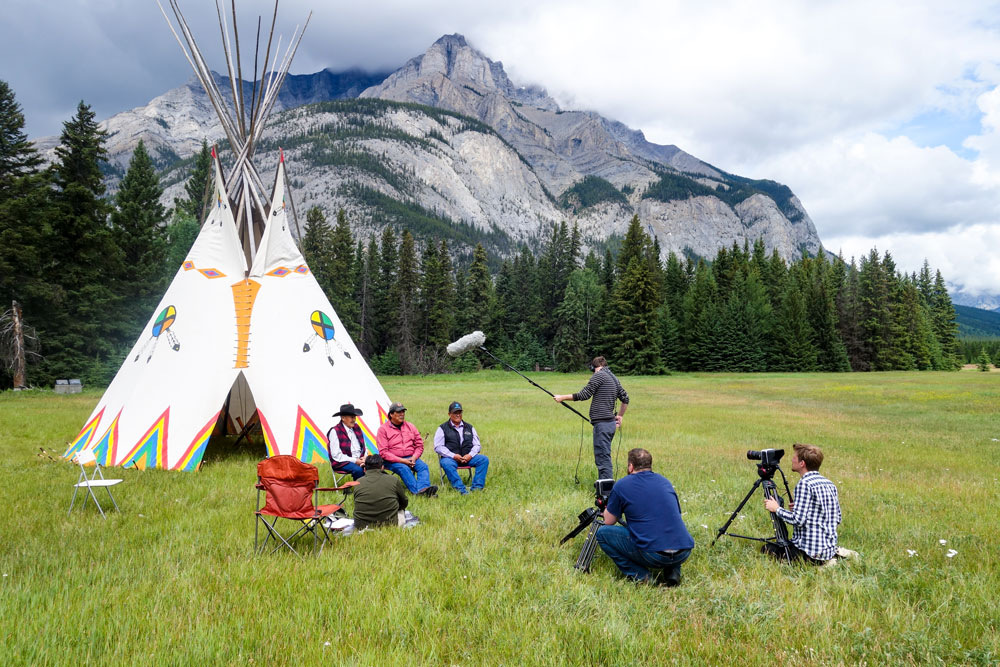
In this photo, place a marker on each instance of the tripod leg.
(780, 530)
(589, 548)
(722, 531)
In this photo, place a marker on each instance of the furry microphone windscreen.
(465, 343)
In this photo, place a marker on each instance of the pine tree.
(317, 245)
(407, 292)
(83, 250)
(138, 227)
(25, 232)
(385, 292)
(942, 314)
(198, 187)
(577, 316)
(700, 323)
(180, 234)
(341, 277)
(983, 362)
(636, 302)
(479, 291)
(363, 290)
(820, 291)
(745, 325)
(795, 350)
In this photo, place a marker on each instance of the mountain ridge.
(691, 207)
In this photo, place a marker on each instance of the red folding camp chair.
(290, 488)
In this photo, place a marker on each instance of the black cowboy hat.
(348, 409)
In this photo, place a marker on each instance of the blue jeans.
(634, 563)
(450, 467)
(604, 433)
(357, 472)
(418, 483)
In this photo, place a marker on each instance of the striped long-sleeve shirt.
(605, 388)
(816, 516)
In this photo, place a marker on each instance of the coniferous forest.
(87, 271)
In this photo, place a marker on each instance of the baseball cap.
(397, 407)
(455, 406)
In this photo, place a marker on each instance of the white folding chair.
(83, 458)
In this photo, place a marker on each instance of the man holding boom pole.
(605, 389)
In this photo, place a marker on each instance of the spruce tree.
(407, 291)
(635, 304)
(983, 362)
(700, 323)
(363, 289)
(577, 318)
(138, 226)
(180, 234)
(794, 336)
(317, 245)
(75, 342)
(25, 231)
(480, 308)
(198, 187)
(385, 321)
(945, 327)
(341, 278)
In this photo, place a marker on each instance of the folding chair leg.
(75, 490)
(92, 495)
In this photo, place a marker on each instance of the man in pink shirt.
(400, 445)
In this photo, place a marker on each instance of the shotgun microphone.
(472, 341)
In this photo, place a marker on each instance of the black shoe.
(668, 577)
(431, 490)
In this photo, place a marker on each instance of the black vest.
(451, 438)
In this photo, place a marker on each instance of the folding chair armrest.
(345, 485)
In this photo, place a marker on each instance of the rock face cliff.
(449, 147)
(564, 147)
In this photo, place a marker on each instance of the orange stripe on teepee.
(244, 295)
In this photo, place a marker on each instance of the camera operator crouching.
(655, 537)
(815, 514)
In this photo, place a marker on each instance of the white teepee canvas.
(223, 343)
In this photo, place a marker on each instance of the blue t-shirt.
(652, 510)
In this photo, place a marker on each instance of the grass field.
(172, 580)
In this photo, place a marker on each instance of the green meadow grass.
(171, 579)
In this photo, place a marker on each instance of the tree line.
(745, 310)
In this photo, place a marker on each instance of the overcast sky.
(883, 117)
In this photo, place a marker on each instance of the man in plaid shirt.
(815, 512)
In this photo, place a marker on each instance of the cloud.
(852, 104)
(966, 255)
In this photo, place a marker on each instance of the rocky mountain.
(448, 146)
(689, 205)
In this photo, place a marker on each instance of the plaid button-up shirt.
(816, 516)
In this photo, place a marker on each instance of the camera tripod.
(766, 482)
(588, 517)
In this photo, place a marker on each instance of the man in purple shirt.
(457, 443)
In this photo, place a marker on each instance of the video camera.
(602, 491)
(767, 457)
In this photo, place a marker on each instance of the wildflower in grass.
(951, 553)
(911, 553)
(942, 541)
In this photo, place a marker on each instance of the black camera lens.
(754, 454)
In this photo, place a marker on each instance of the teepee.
(244, 333)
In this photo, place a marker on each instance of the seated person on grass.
(815, 512)
(655, 537)
(379, 496)
(457, 443)
(348, 455)
(400, 445)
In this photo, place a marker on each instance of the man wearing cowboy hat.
(350, 455)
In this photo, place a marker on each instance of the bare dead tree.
(18, 343)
